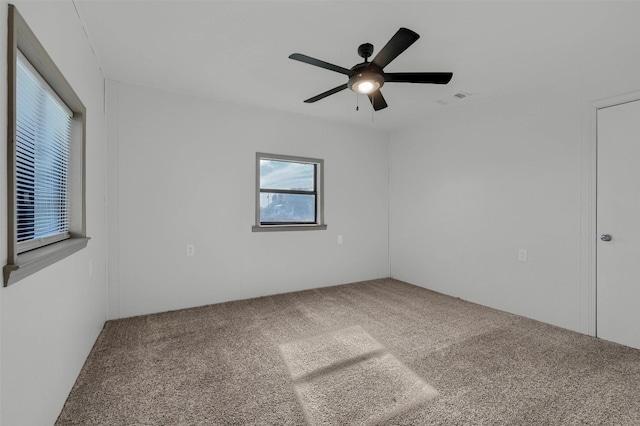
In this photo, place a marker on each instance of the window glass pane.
(286, 175)
(42, 158)
(276, 207)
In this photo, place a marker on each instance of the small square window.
(289, 193)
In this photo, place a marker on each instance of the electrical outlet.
(339, 239)
(191, 250)
(522, 255)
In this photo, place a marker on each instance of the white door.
(618, 216)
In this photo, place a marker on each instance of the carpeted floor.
(376, 352)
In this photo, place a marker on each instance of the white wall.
(472, 186)
(50, 320)
(182, 171)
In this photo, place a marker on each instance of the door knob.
(605, 237)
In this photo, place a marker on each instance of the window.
(289, 193)
(46, 158)
(43, 124)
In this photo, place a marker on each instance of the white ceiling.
(237, 51)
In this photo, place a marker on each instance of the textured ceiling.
(237, 51)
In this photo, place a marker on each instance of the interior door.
(618, 224)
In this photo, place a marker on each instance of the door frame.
(589, 303)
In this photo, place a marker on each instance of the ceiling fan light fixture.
(366, 86)
(366, 82)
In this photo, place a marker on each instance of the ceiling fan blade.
(418, 77)
(327, 93)
(377, 100)
(398, 44)
(318, 63)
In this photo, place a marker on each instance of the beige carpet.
(377, 352)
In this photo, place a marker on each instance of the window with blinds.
(43, 126)
(46, 152)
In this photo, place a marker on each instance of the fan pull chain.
(357, 101)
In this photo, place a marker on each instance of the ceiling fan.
(368, 77)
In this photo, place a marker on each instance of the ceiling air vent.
(462, 95)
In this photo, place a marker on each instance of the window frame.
(318, 191)
(22, 264)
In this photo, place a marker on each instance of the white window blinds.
(43, 125)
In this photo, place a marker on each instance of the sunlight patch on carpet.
(348, 376)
